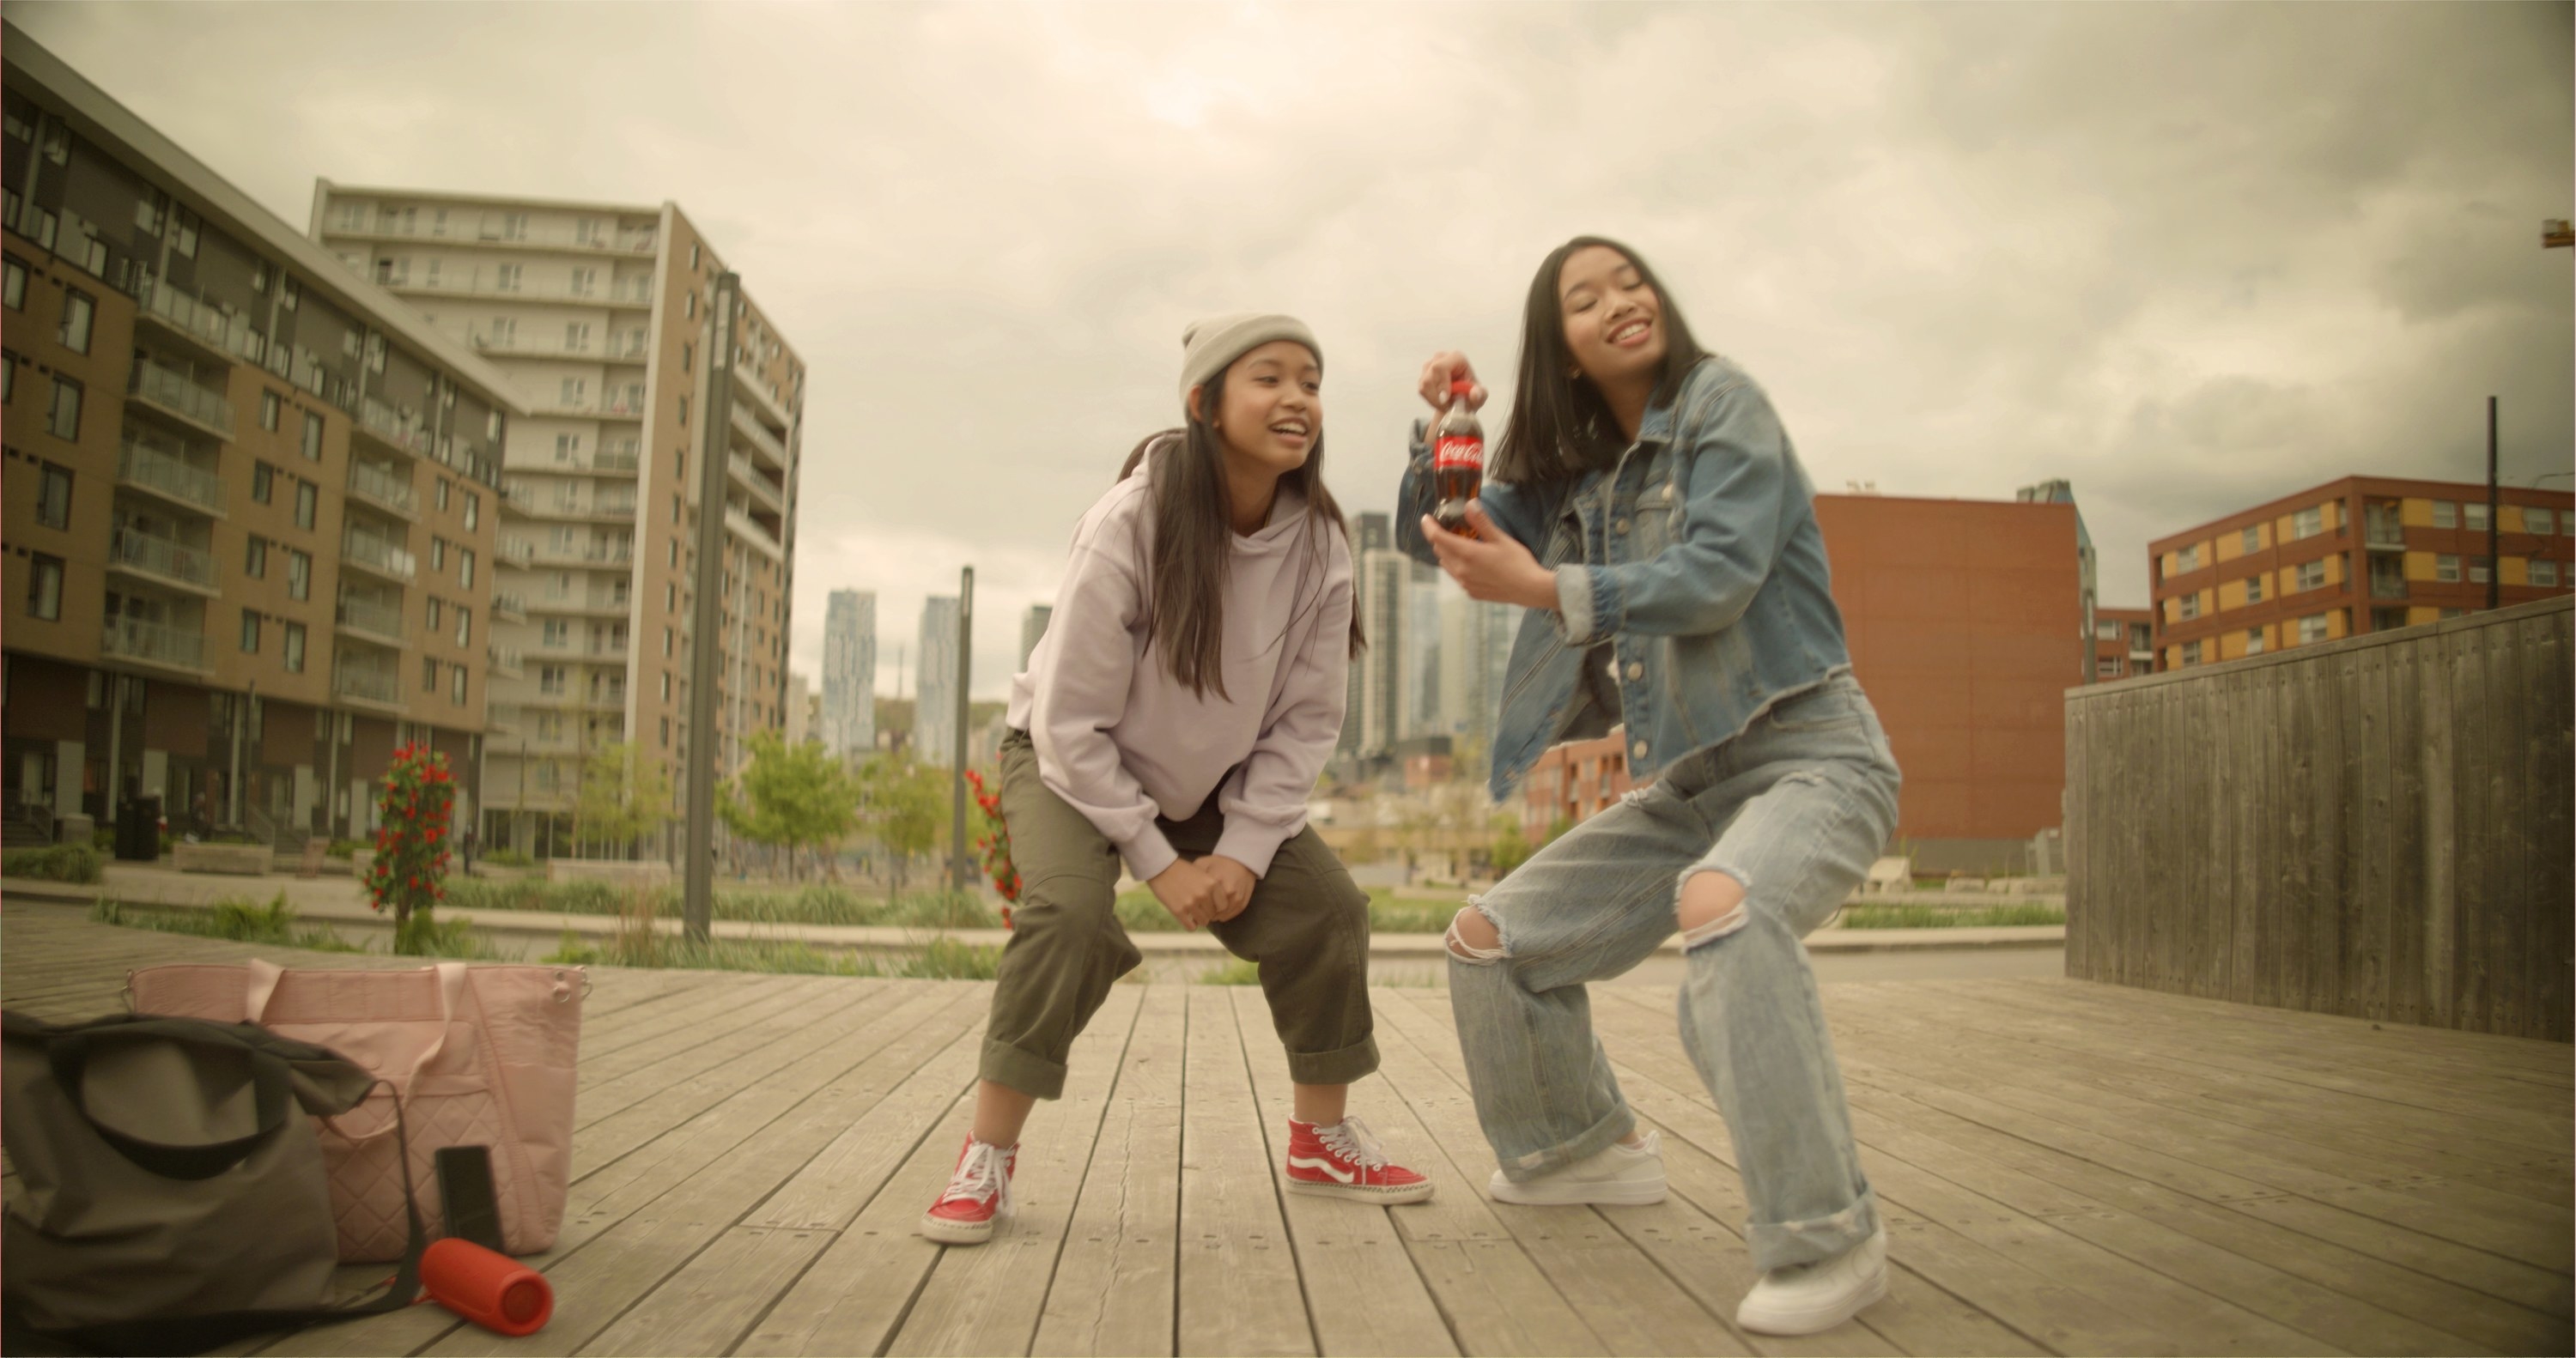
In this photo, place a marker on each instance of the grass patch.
(62, 863)
(945, 959)
(823, 905)
(1938, 917)
(508, 858)
(1236, 971)
(1142, 913)
(236, 921)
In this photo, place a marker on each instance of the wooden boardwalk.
(2067, 1167)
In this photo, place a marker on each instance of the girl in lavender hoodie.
(1174, 718)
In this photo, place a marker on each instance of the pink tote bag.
(480, 1055)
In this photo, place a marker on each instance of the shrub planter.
(241, 860)
(616, 872)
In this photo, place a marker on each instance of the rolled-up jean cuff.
(1589, 1142)
(1334, 1068)
(1782, 1244)
(1035, 1076)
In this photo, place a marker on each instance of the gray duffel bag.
(170, 1195)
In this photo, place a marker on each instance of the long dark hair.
(1194, 542)
(1561, 426)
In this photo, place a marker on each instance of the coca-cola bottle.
(1457, 461)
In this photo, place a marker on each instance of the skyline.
(2190, 260)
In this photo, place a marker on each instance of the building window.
(693, 254)
(666, 686)
(8, 376)
(689, 304)
(428, 675)
(299, 574)
(2186, 560)
(2106, 669)
(2312, 575)
(666, 733)
(2544, 573)
(567, 447)
(464, 627)
(575, 391)
(2254, 589)
(2536, 520)
(557, 633)
(54, 498)
(2446, 569)
(2312, 629)
(2473, 517)
(45, 587)
(438, 554)
(2445, 514)
(2477, 570)
(262, 482)
(507, 279)
(688, 356)
(576, 336)
(269, 409)
(2254, 539)
(465, 566)
(255, 558)
(250, 632)
(437, 611)
(443, 486)
(2191, 653)
(668, 644)
(17, 282)
(312, 437)
(295, 648)
(186, 241)
(550, 679)
(2188, 607)
(2254, 641)
(63, 420)
(456, 684)
(670, 599)
(473, 509)
(2307, 523)
(78, 313)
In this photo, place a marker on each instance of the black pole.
(706, 626)
(957, 770)
(2494, 565)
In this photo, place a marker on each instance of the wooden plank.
(2249, 740)
(1115, 1281)
(2366, 839)
(2510, 927)
(693, 1037)
(1363, 1295)
(2078, 835)
(1623, 1298)
(987, 1299)
(1239, 1291)
(2408, 830)
(2330, 683)
(2551, 756)
(2443, 721)
(2417, 1049)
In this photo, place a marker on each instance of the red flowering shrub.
(995, 843)
(410, 870)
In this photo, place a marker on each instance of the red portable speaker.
(492, 1290)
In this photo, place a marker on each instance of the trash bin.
(138, 830)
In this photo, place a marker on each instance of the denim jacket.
(1696, 558)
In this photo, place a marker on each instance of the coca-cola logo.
(1457, 451)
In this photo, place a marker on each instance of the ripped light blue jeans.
(1795, 808)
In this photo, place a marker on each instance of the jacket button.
(1640, 748)
(1636, 670)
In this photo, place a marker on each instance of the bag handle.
(265, 976)
(68, 1056)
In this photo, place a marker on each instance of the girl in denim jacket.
(1646, 507)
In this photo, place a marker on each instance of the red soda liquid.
(1457, 462)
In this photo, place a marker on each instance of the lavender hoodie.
(1122, 741)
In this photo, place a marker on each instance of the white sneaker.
(1614, 1176)
(1810, 1298)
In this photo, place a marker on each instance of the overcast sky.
(2188, 257)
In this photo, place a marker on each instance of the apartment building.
(603, 316)
(2362, 554)
(849, 696)
(251, 500)
(2124, 642)
(934, 723)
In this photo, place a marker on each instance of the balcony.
(378, 557)
(406, 434)
(140, 465)
(746, 387)
(161, 560)
(624, 460)
(761, 487)
(382, 489)
(513, 552)
(366, 684)
(505, 661)
(510, 607)
(155, 644)
(585, 606)
(629, 350)
(758, 436)
(754, 532)
(169, 392)
(207, 331)
(372, 619)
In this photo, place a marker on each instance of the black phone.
(465, 1197)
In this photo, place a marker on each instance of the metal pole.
(706, 630)
(2494, 566)
(965, 675)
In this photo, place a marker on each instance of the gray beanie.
(1208, 345)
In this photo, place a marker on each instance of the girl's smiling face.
(1271, 411)
(1613, 319)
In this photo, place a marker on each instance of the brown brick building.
(2363, 554)
(2124, 642)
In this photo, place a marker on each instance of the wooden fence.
(2377, 827)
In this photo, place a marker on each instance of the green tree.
(793, 797)
(906, 805)
(624, 793)
(1510, 847)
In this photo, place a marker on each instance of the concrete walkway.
(337, 901)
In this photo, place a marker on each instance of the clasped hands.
(1203, 891)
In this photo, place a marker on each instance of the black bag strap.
(68, 1055)
(196, 1334)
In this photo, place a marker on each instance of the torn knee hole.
(1713, 910)
(1473, 937)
